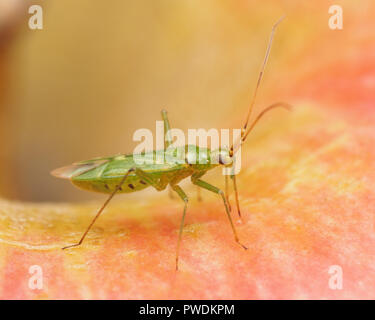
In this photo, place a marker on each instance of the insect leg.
(184, 198)
(209, 187)
(167, 135)
(227, 193)
(233, 177)
(101, 210)
(158, 184)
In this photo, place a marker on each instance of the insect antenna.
(260, 76)
(260, 115)
(245, 129)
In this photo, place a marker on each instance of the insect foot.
(243, 246)
(71, 246)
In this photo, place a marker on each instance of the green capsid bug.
(121, 174)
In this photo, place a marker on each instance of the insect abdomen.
(108, 185)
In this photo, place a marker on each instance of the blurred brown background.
(99, 70)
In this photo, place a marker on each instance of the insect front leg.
(101, 210)
(233, 177)
(184, 198)
(195, 180)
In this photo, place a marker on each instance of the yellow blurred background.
(99, 70)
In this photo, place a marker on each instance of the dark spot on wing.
(106, 186)
(131, 186)
(142, 182)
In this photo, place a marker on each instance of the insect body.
(104, 174)
(122, 174)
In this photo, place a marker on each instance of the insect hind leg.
(101, 210)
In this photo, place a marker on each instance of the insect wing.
(76, 169)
